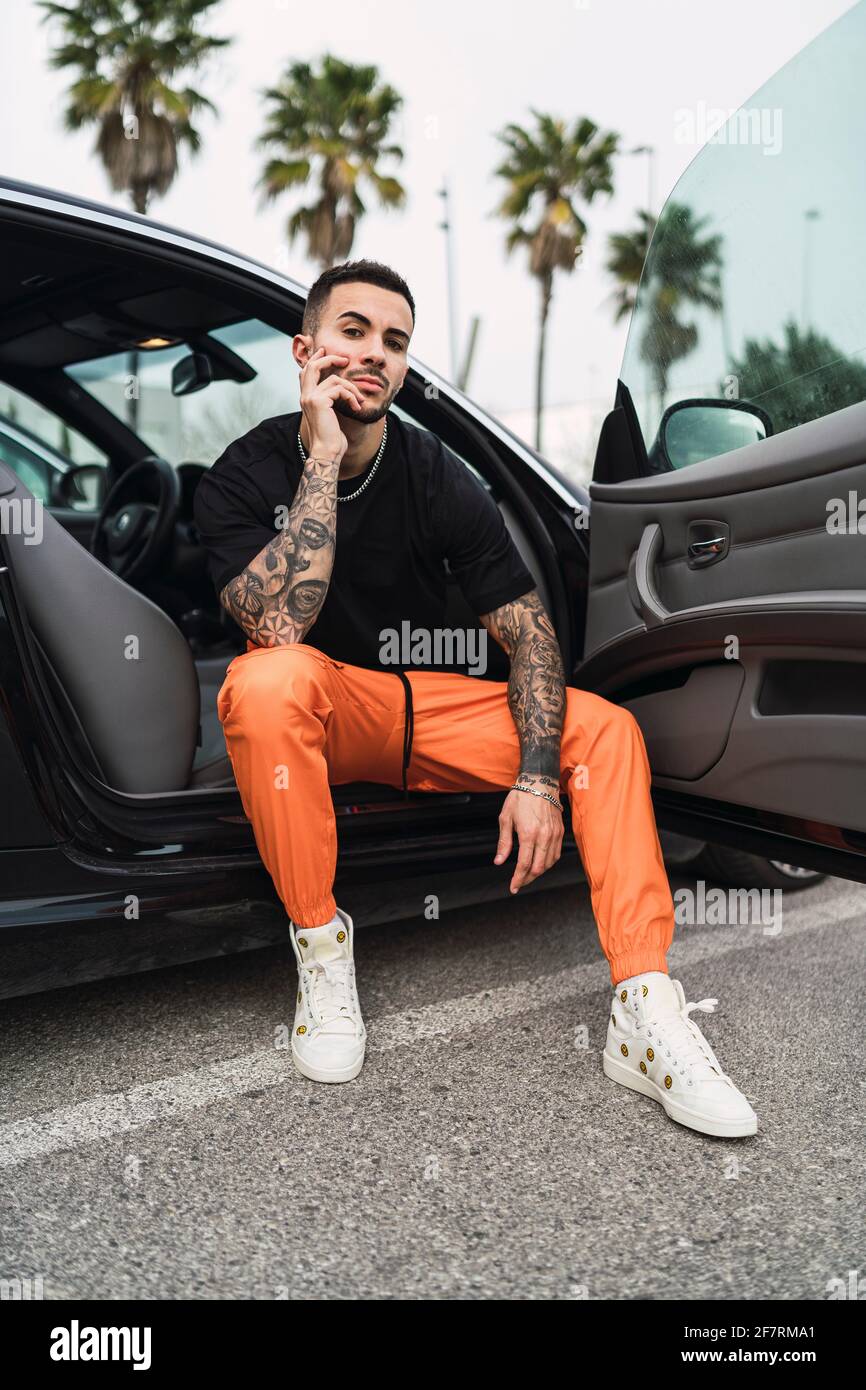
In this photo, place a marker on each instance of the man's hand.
(318, 396)
(539, 829)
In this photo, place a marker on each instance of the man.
(327, 528)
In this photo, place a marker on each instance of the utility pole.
(463, 380)
(445, 226)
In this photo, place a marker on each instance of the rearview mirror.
(191, 373)
(691, 431)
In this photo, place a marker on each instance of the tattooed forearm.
(536, 684)
(279, 595)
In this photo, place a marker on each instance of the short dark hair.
(369, 272)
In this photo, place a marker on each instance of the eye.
(397, 346)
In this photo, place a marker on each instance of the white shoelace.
(684, 1042)
(332, 997)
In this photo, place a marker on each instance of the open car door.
(727, 591)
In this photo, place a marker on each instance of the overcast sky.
(465, 69)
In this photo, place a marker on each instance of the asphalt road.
(154, 1142)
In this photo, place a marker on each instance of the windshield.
(197, 427)
(754, 287)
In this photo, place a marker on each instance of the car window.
(34, 471)
(196, 427)
(23, 417)
(750, 317)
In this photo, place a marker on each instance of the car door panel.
(747, 675)
(773, 498)
(687, 717)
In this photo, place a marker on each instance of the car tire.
(742, 870)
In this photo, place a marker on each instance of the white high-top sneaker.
(654, 1047)
(329, 1036)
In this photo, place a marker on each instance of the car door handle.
(714, 546)
(705, 549)
(706, 543)
(641, 577)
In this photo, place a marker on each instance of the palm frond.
(127, 54)
(331, 124)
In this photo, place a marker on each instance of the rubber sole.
(719, 1129)
(313, 1073)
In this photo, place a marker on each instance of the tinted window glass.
(34, 472)
(754, 288)
(21, 411)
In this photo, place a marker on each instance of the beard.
(369, 414)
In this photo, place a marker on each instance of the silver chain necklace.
(350, 496)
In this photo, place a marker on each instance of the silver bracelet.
(533, 792)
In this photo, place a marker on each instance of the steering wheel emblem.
(122, 521)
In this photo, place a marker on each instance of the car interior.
(120, 559)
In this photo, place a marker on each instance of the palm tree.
(684, 270)
(554, 166)
(330, 126)
(128, 55)
(627, 252)
(804, 376)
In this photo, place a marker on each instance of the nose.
(374, 355)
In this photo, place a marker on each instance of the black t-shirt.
(422, 507)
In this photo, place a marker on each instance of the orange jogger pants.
(296, 722)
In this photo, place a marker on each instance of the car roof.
(146, 223)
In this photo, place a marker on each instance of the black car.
(715, 599)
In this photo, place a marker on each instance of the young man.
(327, 528)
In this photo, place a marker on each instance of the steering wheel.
(131, 537)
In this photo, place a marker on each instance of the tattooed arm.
(279, 595)
(536, 696)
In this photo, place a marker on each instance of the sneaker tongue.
(654, 996)
(659, 997)
(328, 945)
(323, 943)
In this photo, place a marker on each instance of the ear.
(302, 348)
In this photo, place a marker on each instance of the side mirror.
(191, 373)
(81, 488)
(691, 431)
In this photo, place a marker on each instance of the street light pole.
(810, 215)
(445, 226)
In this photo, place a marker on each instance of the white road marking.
(103, 1117)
